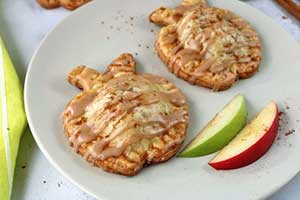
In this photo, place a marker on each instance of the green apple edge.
(220, 130)
(17, 123)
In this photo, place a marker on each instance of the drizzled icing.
(113, 126)
(210, 40)
(164, 16)
(166, 122)
(87, 78)
(77, 108)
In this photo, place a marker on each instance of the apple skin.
(16, 122)
(222, 137)
(254, 152)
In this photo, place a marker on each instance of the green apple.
(12, 121)
(220, 130)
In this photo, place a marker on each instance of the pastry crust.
(208, 46)
(68, 4)
(72, 4)
(49, 4)
(123, 121)
(165, 16)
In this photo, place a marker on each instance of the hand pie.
(207, 46)
(68, 4)
(122, 120)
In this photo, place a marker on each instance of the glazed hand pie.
(122, 120)
(68, 4)
(207, 46)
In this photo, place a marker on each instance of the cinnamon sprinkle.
(289, 132)
(281, 113)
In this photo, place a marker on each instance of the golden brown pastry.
(49, 4)
(207, 46)
(122, 121)
(68, 4)
(166, 16)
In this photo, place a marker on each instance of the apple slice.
(251, 143)
(220, 130)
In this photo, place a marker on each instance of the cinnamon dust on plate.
(289, 132)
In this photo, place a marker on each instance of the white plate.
(82, 38)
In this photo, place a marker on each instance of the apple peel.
(251, 143)
(220, 130)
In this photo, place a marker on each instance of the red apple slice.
(251, 143)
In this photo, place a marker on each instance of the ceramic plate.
(98, 32)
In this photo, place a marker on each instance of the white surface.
(83, 39)
(23, 24)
